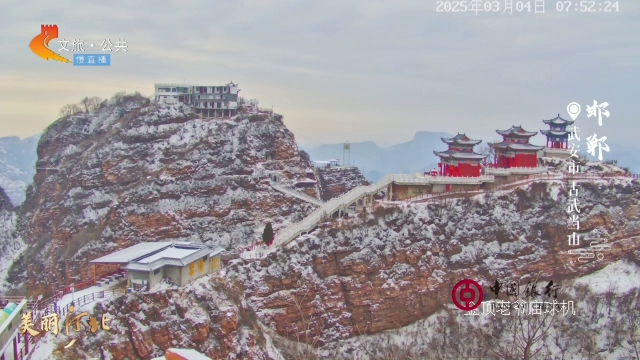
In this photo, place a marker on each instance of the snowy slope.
(397, 265)
(17, 165)
(11, 244)
(135, 171)
(438, 337)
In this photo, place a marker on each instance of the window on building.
(156, 271)
(218, 89)
(219, 105)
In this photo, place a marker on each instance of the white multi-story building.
(210, 101)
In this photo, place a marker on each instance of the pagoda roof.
(459, 155)
(516, 130)
(558, 121)
(461, 139)
(515, 146)
(555, 133)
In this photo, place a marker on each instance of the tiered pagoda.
(460, 159)
(557, 135)
(515, 150)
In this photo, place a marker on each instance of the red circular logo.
(467, 295)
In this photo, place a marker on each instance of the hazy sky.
(338, 70)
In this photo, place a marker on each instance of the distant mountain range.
(626, 156)
(18, 158)
(375, 162)
(17, 165)
(417, 155)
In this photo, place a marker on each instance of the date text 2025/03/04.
(530, 6)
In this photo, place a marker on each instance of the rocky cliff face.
(378, 271)
(135, 171)
(396, 265)
(206, 316)
(333, 182)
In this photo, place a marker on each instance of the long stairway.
(292, 231)
(289, 190)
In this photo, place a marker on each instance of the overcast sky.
(344, 70)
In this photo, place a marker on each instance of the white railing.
(292, 231)
(172, 85)
(516, 169)
(459, 179)
(289, 189)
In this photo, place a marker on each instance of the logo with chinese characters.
(512, 289)
(40, 44)
(50, 323)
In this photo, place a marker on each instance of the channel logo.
(40, 44)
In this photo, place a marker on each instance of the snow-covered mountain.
(11, 245)
(377, 285)
(134, 171)
(17, 165)
(394, 266)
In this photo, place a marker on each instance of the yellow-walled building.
(147, 264)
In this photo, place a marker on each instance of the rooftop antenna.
(346, 149)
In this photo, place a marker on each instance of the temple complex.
(460, 159)
(515, 150)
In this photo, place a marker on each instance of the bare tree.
(525, 336)
(485, 149)
(85, 103)
(70, 109)
(631, 318)
(93, 103)
(117, 98)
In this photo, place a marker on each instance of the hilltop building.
(459, 169)
(557, 135)
(150, 262)
(460, 159)
(515, 149)
(210, 101)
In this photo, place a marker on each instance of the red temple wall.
(460, 170)
(469, 170)
(503, 161)
(520, 160)
(526, 160)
